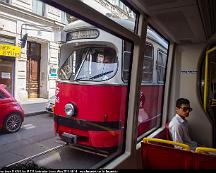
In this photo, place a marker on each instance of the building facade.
(29, 69)
(32, 72)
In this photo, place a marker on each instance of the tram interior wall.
(185, 84)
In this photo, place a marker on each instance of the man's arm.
(177, 133)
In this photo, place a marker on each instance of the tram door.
(208, 89)
(33, 69)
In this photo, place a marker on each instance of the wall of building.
(17, 18)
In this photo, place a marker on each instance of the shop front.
(8, 53)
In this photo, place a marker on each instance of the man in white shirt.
(178, 126)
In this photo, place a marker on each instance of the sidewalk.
(34, 106)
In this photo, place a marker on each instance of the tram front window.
(89, 64)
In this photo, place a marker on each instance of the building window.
(38, 7)
(33, 49)
(63, 17)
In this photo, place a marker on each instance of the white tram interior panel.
(184, 84)
(184, 24)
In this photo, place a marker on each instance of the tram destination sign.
(10, 50)
(82, 34)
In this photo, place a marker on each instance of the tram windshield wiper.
(81, 78)
(100, 75)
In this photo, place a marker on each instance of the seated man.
(178, 126)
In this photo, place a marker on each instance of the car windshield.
(89, 64)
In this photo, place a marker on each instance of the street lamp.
(23, 40)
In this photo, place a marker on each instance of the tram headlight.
(70, 110)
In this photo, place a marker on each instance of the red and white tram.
(92, 86)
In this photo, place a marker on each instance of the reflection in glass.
(115, 10)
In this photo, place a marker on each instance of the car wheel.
(12, 123)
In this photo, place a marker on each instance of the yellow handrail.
(184, 146)
(205, 93)
(206, 149)
(205, 83)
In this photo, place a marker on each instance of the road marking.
(28, 126)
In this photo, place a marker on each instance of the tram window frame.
(160, 120)
(135, 38)
(161, 66)
(75, 69)
(152, 62)
(125, 70)
(126, 60)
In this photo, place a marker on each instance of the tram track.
(102, 153)
(33, 156)
(45, 159)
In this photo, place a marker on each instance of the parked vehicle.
(12, 114)
(50, 104)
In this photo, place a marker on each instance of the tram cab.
(92, 86)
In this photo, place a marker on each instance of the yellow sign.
(10, 50)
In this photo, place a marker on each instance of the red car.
(11, 113)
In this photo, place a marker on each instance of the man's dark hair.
(181, 101)
(109, 52)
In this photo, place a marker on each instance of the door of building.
(33, 69)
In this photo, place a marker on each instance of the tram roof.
(151, 34)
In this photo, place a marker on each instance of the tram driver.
(108, 56)
(107, 63)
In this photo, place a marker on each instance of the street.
(36, 135)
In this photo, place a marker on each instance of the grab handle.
(206, 149)
(184, 146)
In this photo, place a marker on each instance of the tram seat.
(168, 136)
(157, 156)
(205, 161)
